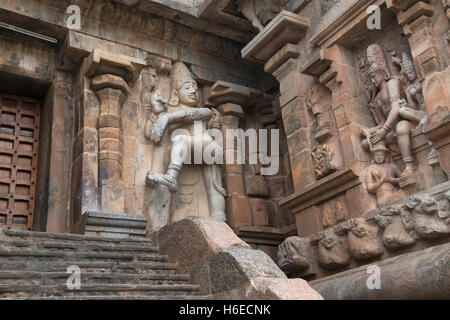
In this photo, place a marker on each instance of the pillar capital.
(230, 93)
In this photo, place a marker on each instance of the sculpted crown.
(377, 61)
(180, 75)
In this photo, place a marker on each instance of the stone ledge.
(417, 275)
(321, 190)
(286, 27)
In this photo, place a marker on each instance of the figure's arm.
(372, 185)
(393, 88)
(190, 115)
(177, 117)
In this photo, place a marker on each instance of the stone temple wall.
(363, 117)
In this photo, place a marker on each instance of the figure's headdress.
(369, 146)
(180, 74)
(408, 64)
(377, 61)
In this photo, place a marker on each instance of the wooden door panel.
(19, 143)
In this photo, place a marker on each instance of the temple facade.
(99, 98)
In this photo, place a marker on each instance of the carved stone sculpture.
(390, 109)
(398, 226)
(333, 251)
(428, 224)
(413, 89)
(181, 115)
(363, 241)
(322, 156)
(293, 255)
(261, 12)
(382, 176)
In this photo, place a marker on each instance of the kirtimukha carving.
(293, 256)
(391, 111)
(398, 225)
(261, 12)
(180, 114)
(363, 240)
(430, 222)
(382, 176)
(333, 251)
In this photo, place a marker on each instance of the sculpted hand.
(377, 136)
(159, 128)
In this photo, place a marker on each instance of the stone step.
(89, 266)
(77, 246)
(61, 237)
(10, 291)
(57, 255)
(52, 278)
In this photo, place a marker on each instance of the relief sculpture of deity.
(394, 114)
(178, 118)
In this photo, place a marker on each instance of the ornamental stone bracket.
(111, 77)
(286, 27)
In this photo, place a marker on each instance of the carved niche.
(326, 149)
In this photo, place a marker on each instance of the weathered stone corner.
(224, 266)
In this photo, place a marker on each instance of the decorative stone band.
(411, 224)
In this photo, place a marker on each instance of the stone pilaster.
(230, 99)
(110, 77)
(112, 92)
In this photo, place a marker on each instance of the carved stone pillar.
(276, 47)
(229, 98)
(110, 75)
(112, 92)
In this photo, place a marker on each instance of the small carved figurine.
(382, 176)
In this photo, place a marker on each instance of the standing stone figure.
(382, 176)
(180, 118)
(392, 111)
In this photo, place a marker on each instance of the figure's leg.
(180, 147)
(216, 196)
(404, 142)
(414, 115)
(213, 181)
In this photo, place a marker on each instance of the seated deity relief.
(176, 117)
(397, 106)
(260, 12)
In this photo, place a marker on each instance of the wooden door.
(19, 139)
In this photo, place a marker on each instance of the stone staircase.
(34, 265)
